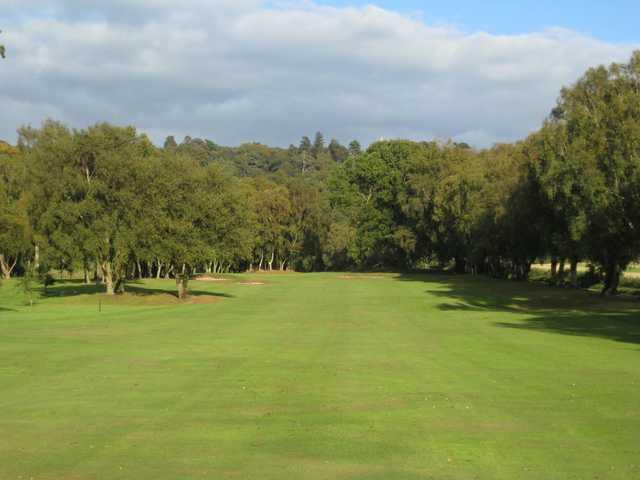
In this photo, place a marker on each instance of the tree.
(15, 229)
(338, 153)
(86, 198)
(601, 118)
(181, 216)
(271, 213)
(318, 144)
(367, 194)
(565, 188)
(354, 148)
(170, 142)
(2, 49)
(305, 145)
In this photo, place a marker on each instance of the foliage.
(106, 201)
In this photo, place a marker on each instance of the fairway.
(320, 376)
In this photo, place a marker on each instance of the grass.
(321, 377)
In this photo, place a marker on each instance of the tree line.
(107, 202)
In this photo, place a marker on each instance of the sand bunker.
(250, 284)
(360, 277)
(204, 278)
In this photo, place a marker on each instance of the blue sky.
(613, 21)
(272, 71)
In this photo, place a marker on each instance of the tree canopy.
(106, 201)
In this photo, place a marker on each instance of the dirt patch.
(361, 277)
(200, 300)
(250, 284)
(206, 278)
(271, 272)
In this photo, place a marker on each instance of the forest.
(106, 202)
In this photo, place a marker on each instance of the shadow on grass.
(69, 288)
(551, 309)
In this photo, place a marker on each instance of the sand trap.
(250, 284)
(360, 277)
(210, 279)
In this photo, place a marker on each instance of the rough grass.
(317, 377)
(629, 283)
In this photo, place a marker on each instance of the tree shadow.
(69, 288)
(618, 326)
(550, 309)
(134, 288)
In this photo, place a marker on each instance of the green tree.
(87, 197)
(180, 216)
(170, 142)
(354, 148)
(305, 145)
(601, 115)
(318, 145)
(338, 153)
(15, 228)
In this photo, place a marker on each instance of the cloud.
(244, 70)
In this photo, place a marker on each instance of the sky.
(271, 71)
(613, 20)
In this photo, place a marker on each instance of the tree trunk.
(85, 271)
(36, 258)
(139, 268)
(182, 282)
(96, 273)
(611, 279)
(114, 281)
(6, 267)
(554, 269)
(119, 285)
(273, 256)
(159, 272)
(261, 260)
(574, 272)
(561, 271)
(107, 276)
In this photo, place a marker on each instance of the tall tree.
(305, 145)
(15, 231)
(88, 198)
(354, 148)
(170, 142)
(318, 144)
(338, 153)
(601, 114)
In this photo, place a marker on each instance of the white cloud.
(241, 70)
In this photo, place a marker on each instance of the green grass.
(319, 377)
